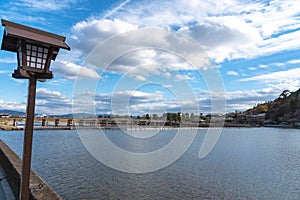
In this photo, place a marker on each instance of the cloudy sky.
(150, 56)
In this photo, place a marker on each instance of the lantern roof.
(15, 31)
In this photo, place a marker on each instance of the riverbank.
(191, 126)
(18, 128)
(11, 164)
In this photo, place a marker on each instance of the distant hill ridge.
(20, 113)
(283, 110)
(12, 112)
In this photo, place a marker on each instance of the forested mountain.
(283, 110)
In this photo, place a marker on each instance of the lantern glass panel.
(36, 56)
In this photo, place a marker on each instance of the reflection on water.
(260, 163)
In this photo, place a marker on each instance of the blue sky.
(253, 45)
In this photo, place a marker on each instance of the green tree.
(179, 117)
(147, 116)
(192, 116)
(202, 116)
(169, 116)
(187, 116)
(261, 108)
(293, 105)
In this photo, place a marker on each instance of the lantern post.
(35, 49)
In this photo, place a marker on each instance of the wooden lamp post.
(35, 49)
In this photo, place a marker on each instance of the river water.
(246, 163)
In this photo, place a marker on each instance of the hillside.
(283, 110)
(12, 112)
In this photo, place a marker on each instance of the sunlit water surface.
(255, 163)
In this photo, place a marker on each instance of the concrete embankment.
(12, 128)
(12, 166)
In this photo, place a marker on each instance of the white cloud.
(232, 73)
(279, 64)
(142, 64)
(138, 102)
(294, 61)
(285, 42)
(120, 102)
(280, 76)
(275, 17)
(19, 17)
(168, 86)
(147, 56)
(276, 82)
(8, 60)
(5, 72)
(72, 71)
(130, 102)
(224, 37)
(245, 99)
(52, 102)
(263, 66)
(44, 5)
(182, 77)
(167, 74)
(226, 29)
(154, 13)
(252, 68)
(12, 105)
(86, 35)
